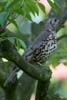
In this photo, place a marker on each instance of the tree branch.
(8, 51)
(42, 89)
(61, 37)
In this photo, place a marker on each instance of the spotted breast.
(42, 47)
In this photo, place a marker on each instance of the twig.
(61, 37)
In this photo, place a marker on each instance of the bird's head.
(52, 23)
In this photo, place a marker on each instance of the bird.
(44, 45)
(41, 48)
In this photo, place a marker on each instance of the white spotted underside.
(45, 48)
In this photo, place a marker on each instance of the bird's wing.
(35, 46)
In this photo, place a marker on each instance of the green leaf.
(20, 43)
(19, 11)
(30, 7)
(2, 5)
(23, 44)
(57, 5)
(12, 40)
(42, 7)
(11, 4)
(3, 17)
(52, 5)
(34, 8)
(14, 22)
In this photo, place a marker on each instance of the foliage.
(10, 10)
(15, 17)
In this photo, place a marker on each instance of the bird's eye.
(55, 19)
